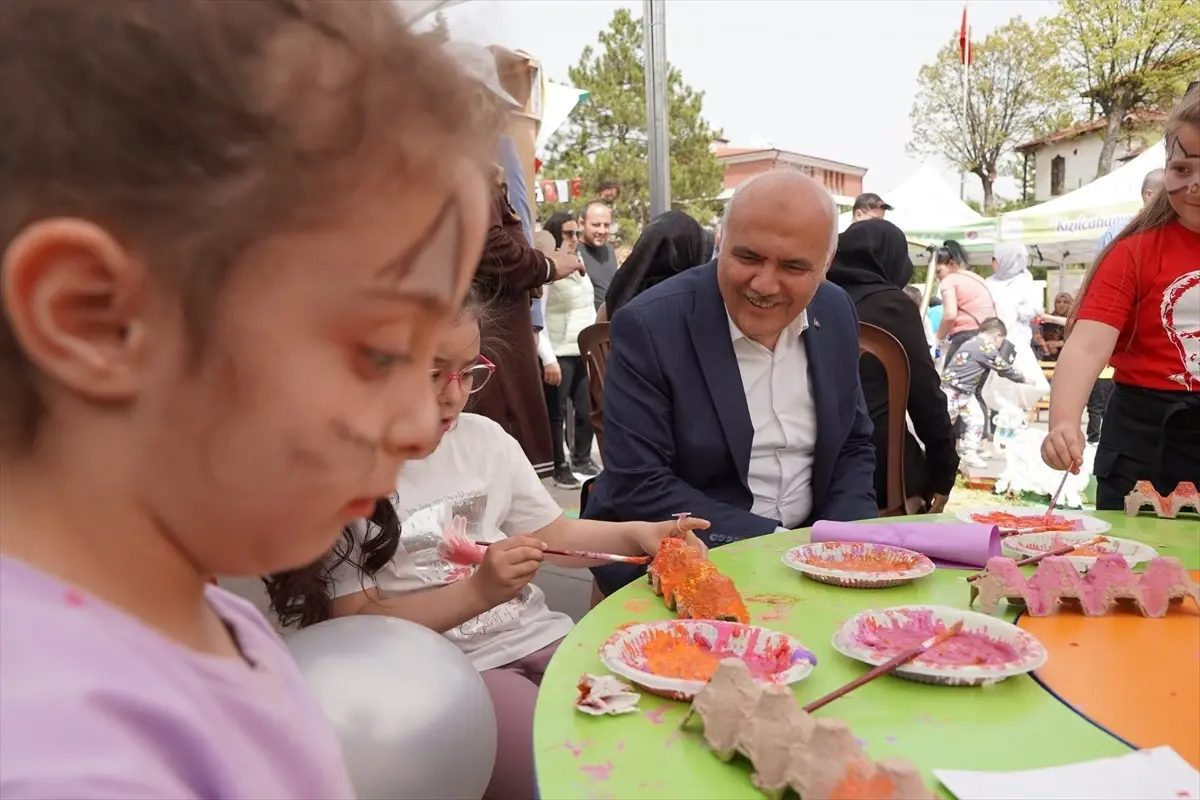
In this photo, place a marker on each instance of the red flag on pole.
(964, 40)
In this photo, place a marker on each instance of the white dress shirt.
(779, 395)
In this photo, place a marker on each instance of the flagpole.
(966, 67)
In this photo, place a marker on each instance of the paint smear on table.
(638, 605)
(967, 648)
(575, 749)
(772, 599)
(598, 772)
(658, 716)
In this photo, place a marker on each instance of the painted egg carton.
(692, 586)
(1144, 494)
(789, 750)
(1109, 581)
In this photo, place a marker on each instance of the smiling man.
(732, 390)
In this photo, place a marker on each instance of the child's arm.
(949, 312)
(1082, 359)
(508, 566)
(1001, 365)
(619, 538)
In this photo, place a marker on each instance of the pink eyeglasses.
(470, 380)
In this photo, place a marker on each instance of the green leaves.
(1127, 56)
(605, 139)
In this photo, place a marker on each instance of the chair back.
(593, 348)
(889, 351)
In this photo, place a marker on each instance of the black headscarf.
(671, 243)
(872, 255)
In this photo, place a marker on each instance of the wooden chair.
(593, 348)
(1044, 403)
(890, 352)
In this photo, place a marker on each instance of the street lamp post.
(655, 24)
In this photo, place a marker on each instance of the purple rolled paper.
(950, 546)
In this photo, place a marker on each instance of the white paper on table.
(1158, 773)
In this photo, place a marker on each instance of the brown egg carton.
(790, 750)
(1144, 494)
(1109, 582)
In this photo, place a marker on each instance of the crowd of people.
(220, 347)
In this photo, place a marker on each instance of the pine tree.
(605, 140)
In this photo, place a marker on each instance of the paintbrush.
(1061, 551)
(1054, 500)
(891, 664)
(588, 554)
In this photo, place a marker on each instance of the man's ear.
(72, 295)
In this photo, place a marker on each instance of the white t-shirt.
(478, 484)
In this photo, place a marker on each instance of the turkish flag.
(576, 187)
(549, 191)
(964, 40)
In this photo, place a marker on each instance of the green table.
(1015, 724)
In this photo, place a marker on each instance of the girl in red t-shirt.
(1139, 310)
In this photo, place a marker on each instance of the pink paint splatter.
(575, 749)
(658, 715)
(598, 772)
(73, 598)
(620, 746)
(672, 739)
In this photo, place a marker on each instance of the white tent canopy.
(1065, 230)
(929, 211)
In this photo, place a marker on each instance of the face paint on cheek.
(1173, 182)
(339, 451)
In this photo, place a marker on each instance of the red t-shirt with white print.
(1148, 288)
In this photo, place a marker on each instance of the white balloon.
(414, 718)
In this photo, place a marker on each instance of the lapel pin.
(816, 323)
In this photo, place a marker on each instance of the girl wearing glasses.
(476, 486)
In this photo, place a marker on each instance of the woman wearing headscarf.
(1014, 294)
(671, 243)
(569, 307)
(873, 266)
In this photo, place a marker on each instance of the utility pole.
(654, 20)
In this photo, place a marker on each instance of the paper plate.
(819, 562)
(1033, 544)
(1089, 524)
(773, 657)
(1030, 654)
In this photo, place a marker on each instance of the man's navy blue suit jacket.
(677, 431)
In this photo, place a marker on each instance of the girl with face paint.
(1139, 310)
(225, 261)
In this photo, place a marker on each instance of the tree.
(1014, 83)
(1127, 56)
(606, 136)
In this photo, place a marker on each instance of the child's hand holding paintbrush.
(584, 543)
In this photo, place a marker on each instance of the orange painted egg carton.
(692, 587)
(1144, 494)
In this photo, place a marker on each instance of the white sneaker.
(973, 460)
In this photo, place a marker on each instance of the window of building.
(1058, 174)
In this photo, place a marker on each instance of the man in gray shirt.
(598, 257)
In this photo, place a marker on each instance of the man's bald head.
(778, 236)
(1152, 184)
(791, 186)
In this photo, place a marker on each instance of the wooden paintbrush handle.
(891, 664)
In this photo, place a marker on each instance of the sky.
(829, 79)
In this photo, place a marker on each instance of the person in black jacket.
(873, 266)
